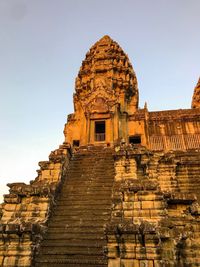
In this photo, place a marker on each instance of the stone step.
(86, 192)
(76, 229)
(99, 180)
(101, 176)
(83, 200)
(78, 243)
(75, 235)
(70, 265)
(87, 188)
(78, 223)
(76, 218)
(79, 212)
(72, 250)
(85, 197)
(72, 259)
(89, 183)
(86, 206)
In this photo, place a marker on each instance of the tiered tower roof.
(106, 58)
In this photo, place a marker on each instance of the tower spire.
(196, 96)
(108, 68)
(106, 93)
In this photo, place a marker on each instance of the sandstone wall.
(155, 217)
(26, 209)
(166, 130)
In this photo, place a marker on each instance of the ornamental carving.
(107, 73)
(102, 98)
(98, 105)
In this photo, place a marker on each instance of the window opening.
(100, 130)
(135, 139)
(76, 143)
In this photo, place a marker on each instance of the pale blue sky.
(42, 44)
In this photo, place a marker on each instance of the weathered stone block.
(157, 213)
(159, 205)
(111, 239)
(140, 253)
(141, 213)
(145, 196)
(129, 263)
(151, 240)
(1, 260)
(129, 196)
(24, 261)
(128, 205)
(10, 261)
(46, 174)
(55, 174)
(113, 251)
(137, 205)
(10, 207)
(128, 251)
(152, 253)
(12, 228)
(147, 204)
(114, 263)
(146, 263)
(128, 213)
(129, 238)
(12, 199)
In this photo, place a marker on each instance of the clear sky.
(42, 45)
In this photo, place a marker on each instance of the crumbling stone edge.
(26, 209)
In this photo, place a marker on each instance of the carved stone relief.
(102, 98)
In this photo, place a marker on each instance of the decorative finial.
(105, 39)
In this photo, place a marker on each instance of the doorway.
(100, 131)
(135, 139)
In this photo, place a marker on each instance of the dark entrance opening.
(135, 139)
(100, 130)
(76, 143)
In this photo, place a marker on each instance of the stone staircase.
(75, 235)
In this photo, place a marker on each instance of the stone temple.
(123, 190)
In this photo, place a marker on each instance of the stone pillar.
(87, 133)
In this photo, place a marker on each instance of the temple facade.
(106, 94)
(123, 190)
(106, 107)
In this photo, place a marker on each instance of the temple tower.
(196, 96)
(106, 93)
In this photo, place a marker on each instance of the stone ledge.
(24, 227)
(180, 198)
(12, 198)
(138, 185)
(42, 188)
